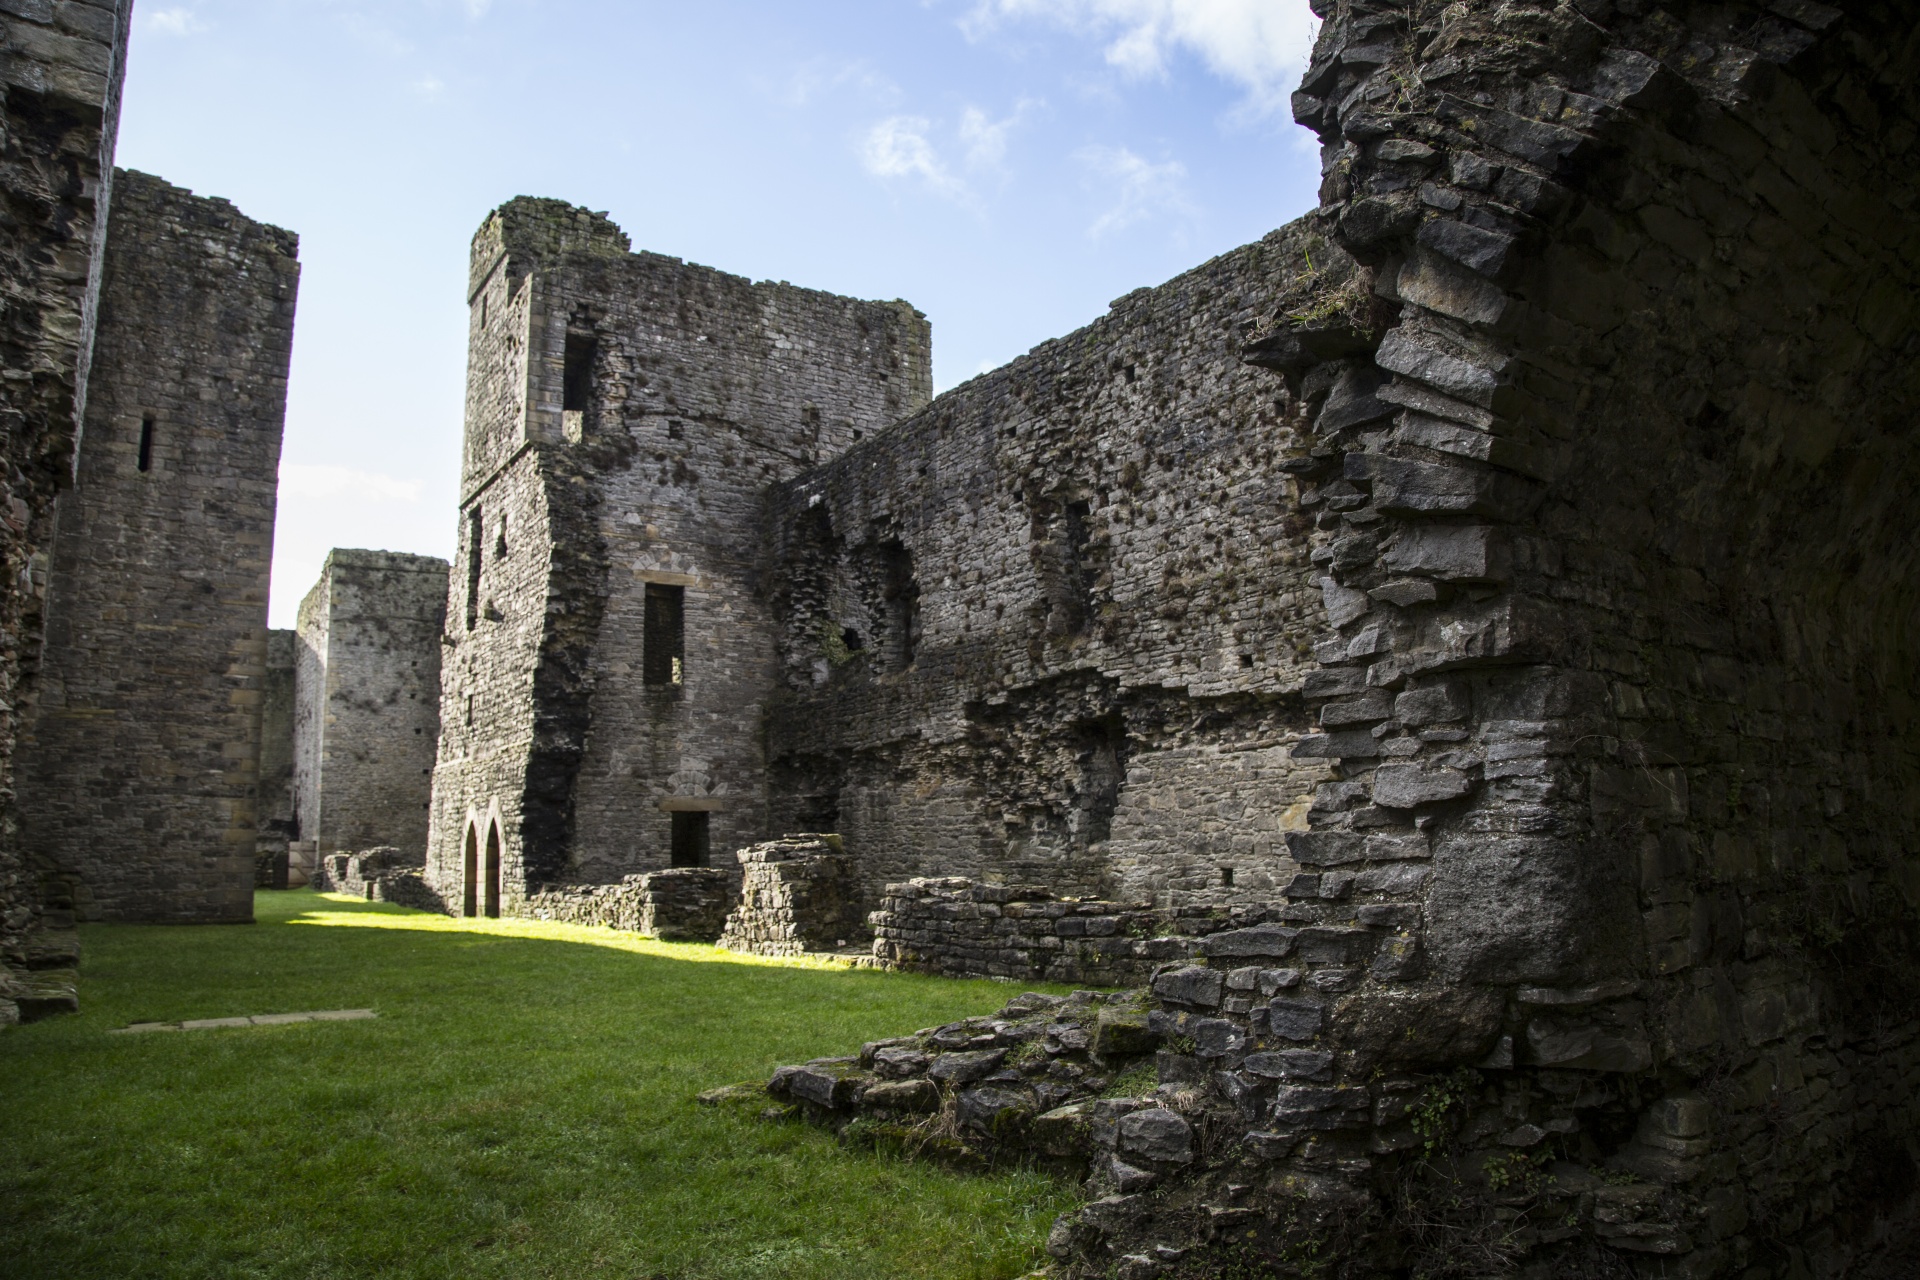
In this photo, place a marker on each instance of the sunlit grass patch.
(523, 1106)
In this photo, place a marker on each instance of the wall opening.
(577, 385)
(1103, 768)
(689, 839)
(474, 533)
(470, 874)
(492, 904)
(901, 595)
(144, 460)
(1063, 564)
(664, 635)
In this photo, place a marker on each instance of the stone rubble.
(797, 895)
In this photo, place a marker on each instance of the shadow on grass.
(522, 1107)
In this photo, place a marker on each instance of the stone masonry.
(796, 895)
(277, 828)
(60, 74)
(679, 904)
(367, 701)
(1600, 957)
(609, 649)
(140, 761)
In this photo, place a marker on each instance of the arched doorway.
(470, 881)
(493, 870)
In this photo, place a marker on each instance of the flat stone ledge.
(256, 1020)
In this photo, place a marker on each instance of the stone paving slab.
(256, 1020)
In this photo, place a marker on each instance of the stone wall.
(368, 706)
(384, 874)
(60, 76)
(625, 412)
(679, 904)
(140, 764)
(797, 894)
(1607, 924)
(1055, 628)
(275, 814)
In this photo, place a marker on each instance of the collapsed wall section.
(367, 694)
(60, 77)
(1055, 628)
(141, 763)
(610, 657)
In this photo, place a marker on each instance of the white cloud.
(324, 482)
(1260, 45)
(429, 87)
(178, 21)
(898, 147)
(986, 138)
(1141, 189)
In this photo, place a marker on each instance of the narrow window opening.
(469, 711)
(1226, 877)
(474, 533)
(664, 635)
(145, 458)
(902, 596)
(851, 638)
(500, 537)
(483, 310)
(689, 839)
(577, 387)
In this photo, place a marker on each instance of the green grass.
(522, 1107)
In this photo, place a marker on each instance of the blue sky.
(1008, 166)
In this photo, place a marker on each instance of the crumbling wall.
(60, 76)
(1055, 628)
(1622, 662)
(624, 413)
(368, 692)
(797, 894)
(679, 904)
(140, 765)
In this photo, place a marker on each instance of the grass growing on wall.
(522, 1107)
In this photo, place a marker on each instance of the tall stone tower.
(140, 765)
(367, 702)
(608, 653)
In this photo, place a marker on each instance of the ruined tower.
(141, 761)
(608, 655)
(366, 717)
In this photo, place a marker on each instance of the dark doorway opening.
(689, 839)
(470, 877)
(493, 871)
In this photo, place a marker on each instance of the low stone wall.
(681, 904)
(384, 874)
(797, 895)
(953, 926)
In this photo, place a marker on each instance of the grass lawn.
(523, 1106)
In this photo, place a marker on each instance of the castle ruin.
(1455, 655)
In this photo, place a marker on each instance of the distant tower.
(140, 766)
(367, 702)
(609, 656)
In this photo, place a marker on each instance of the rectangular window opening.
(474, 532)
(689, 839)
(145, 458)
(577, 386)
(664, 635)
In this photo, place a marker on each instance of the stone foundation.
(680, 904)
(797, 895)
